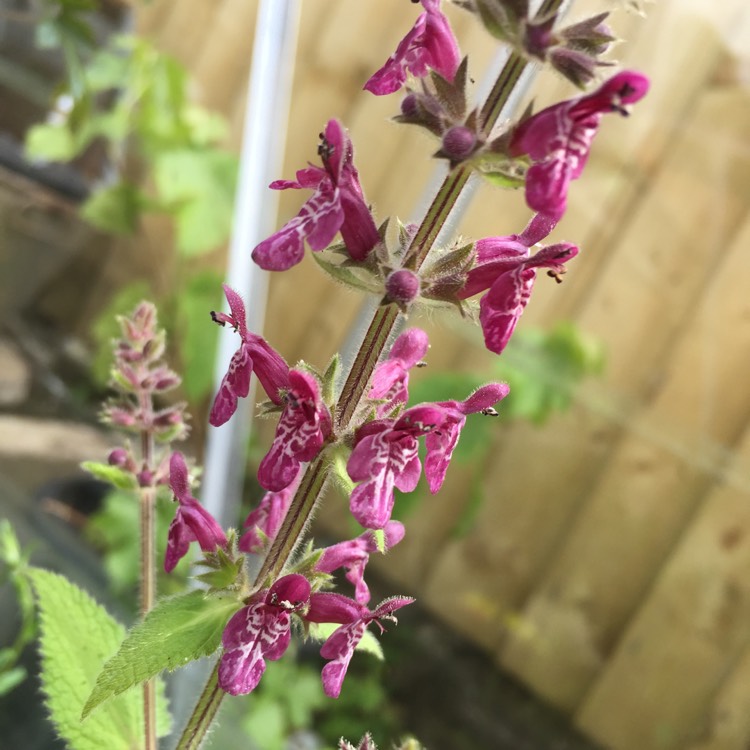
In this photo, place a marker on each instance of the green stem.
(203, 714)
(384, 319)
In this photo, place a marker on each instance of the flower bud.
(459, 142)
(402, 287)
(118, 457)
(145, 477)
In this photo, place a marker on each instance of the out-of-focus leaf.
(50, 143)
(199, 334)
(115, 209)
(198, 186)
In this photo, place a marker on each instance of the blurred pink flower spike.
(192, 522)
(504, 266)
(303, 427)
(260, 631)
(429, 45)
(254, 355)
(354, 556)
(390, 381)
(558, 139)
(337, 204)
(354, 619)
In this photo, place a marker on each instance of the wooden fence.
(609, 567)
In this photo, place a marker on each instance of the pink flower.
(354, 556)
(505, 267)
(429, 44)
(338, 204)
(303, 427)
(558, 139)
(354, 619)
(254, 354)
(192, 522)
(385, 454)
(260, 631)
(264, 522)
(390, 381)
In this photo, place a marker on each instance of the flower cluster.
(375, 446)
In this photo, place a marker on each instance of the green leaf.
(175, 632)
(50, 143)
(199, 335)
(11, 679)
(114, 475)
(502, 179)
(266, 724)
(115, 209)
(348, 275)
(77, 635)
(198, 186)
(369, 643)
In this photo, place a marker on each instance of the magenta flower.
(192, 522)
(303, 427)
(385, 454)
(558, 139)
(429, 44)
(390, 381)
(264, 522)
(338, 204)
(260, 631)
(505, 267)
(441, 442)
(354, 619)
(254, 354)
(354, 556)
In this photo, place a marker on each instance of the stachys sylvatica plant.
(354, 427)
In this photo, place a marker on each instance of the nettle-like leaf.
(77, 635)
(177, 631)
(113, 475)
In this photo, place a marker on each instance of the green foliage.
(115, 530)
(114, 475)
(151, 123)
(77, 635)
(198, 335)
(177, 631)
(13, 569)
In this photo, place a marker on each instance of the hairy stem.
(203, 714)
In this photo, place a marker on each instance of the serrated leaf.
(114, 475)
(77, 636)
(346, 274)
(177, 631)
